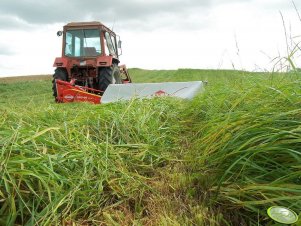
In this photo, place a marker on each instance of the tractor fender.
(60, 62)
(105, 61)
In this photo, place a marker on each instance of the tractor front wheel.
(107, 76)
(61, 74)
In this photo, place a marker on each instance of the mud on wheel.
(107, 76)
(61, 74)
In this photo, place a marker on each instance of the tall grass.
(246, 142)
(73, 162)
(220, 159)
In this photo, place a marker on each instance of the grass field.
(220, 159)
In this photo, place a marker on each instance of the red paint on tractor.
(60, 62)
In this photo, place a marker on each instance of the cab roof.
(79, 24)
(88, 24)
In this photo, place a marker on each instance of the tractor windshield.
(83, 43)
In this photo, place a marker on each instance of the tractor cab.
(88, 40)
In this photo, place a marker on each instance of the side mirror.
(59, 33)
(119, 44)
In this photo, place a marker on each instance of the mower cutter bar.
(68, 92)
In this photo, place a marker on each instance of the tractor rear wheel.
(61, 74)
(107, 76)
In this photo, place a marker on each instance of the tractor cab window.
(110, 46)
(83, 43)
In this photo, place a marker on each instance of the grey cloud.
(5, 51)
(140, 14)
(46, 12)
(10, 22)
(276, 5)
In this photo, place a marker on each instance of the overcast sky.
(157, 34)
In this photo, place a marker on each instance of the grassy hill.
(220, 159)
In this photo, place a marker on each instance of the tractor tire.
(61, 74)
(107, 76)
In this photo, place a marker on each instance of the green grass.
(221, 159)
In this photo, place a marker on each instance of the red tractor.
(89, 63)
(88, 70)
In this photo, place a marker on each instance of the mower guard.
(119, 92)
(68, 92)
